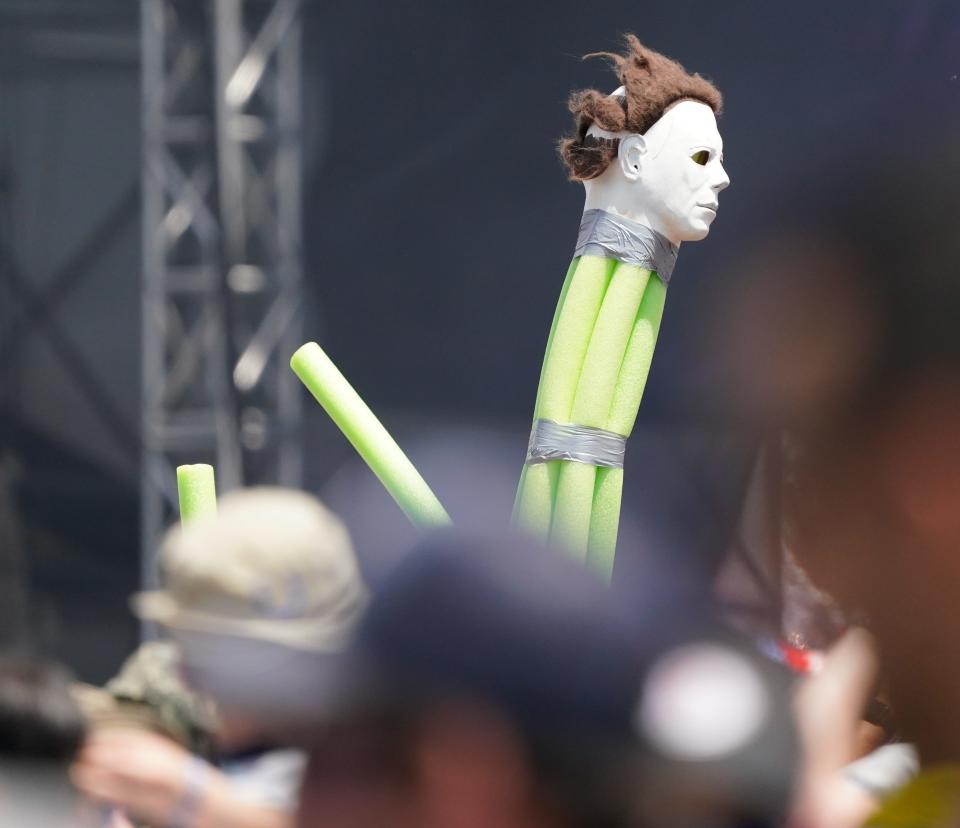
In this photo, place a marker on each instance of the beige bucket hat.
(273, 565)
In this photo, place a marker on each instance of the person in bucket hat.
(260, 600)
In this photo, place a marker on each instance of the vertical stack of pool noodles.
(197, 492)
(594, 372)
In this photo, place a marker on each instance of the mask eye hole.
(701, 157)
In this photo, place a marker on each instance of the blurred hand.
(118, 820)
(140, 772)
(147, 777)
(829, 708)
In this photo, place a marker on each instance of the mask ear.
(630, 155)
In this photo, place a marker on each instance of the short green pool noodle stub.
(573, 501)
(197, 492)
(368, 436)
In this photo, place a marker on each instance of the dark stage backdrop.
(438, 227)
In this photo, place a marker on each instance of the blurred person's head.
(847, 335)
(41, 730)
(259, 598)
(498, 683)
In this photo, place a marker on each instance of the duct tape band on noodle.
(581, 444)
(615, 237)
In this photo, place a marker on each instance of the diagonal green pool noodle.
(576, 316)
(197, 492)
(594, 396)
(632, 379)
(368, 436)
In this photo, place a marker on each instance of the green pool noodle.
(368, 436)
(553, 324)
(632, 379)
(573, 503)
(605, 521)
(533, 506)
(608, 492)
(570, 525)
(197, 492)
(535, 501)
(576, 315)
(568, 349)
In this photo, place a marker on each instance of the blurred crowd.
(485, 682)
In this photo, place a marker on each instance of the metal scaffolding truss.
(259, 147)
(222, 246)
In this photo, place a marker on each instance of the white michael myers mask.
(669, 178)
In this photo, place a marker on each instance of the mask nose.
(721, 180)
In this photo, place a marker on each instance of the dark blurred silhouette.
(842, 333)
(38, 717)
(493, 682)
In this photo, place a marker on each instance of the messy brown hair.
(651, 83)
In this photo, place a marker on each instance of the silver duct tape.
(614, 237)
(581, 444)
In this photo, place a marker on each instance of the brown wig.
(651, 82)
